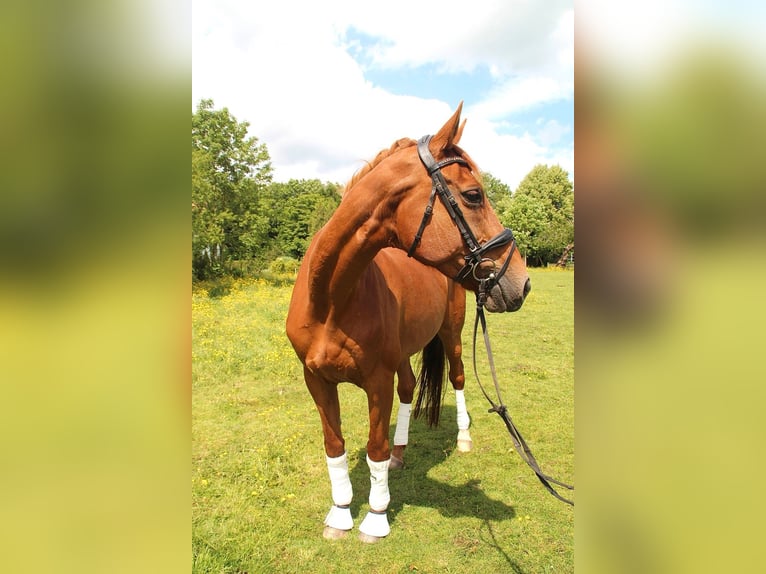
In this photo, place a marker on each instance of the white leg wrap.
(340, 481)
(376, 521)
(402, 425)
(463, 421)
(379, 495)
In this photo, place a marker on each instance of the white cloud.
(510, 35)
(283, 68)
(519, 94)
(511, 157)
(551, 132)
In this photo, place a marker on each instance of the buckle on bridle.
(492, 274)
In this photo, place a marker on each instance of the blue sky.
(327, 85)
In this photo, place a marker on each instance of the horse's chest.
(338, 357)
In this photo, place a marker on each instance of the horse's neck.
(346, 245)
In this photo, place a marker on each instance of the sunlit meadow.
(259, 484)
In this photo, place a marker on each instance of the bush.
(281, 271)
(284, 266)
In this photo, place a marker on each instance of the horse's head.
(445, 220)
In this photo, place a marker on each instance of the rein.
(518, 441)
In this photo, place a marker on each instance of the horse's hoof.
(395, 463)
(464, 445)
(331, 533)
(464, 442)
(369, 538)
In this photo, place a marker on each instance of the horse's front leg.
(380, 391)
(338, 521)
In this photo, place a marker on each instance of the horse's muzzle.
(506, 296)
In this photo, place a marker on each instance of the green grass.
(259, 481)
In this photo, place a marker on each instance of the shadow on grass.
(428, 448)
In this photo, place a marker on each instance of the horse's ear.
(449, 134)
(459, 133)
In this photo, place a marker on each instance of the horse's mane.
(395, 147)
(383, 154)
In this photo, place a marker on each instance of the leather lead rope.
(518, 441)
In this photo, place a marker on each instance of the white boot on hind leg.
(401, 436)
(375, 525)
(464, 442)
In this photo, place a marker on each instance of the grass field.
(259, 481)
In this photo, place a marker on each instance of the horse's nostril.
(527, 287)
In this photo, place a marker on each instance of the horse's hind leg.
(457, 378)
(453, 346)
(338, 521)
(464, 441)
(405, 389)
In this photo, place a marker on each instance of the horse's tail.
(431, 382)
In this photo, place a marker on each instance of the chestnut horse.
(384, 279)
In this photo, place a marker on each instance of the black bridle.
(476, 251)
(473, 261)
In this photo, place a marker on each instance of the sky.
(326, 85)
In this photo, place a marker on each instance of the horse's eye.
(472, 196)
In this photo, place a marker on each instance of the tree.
(526, 216)
(300, 209)
(207, 224)
(541, 214)
(498, 193)
(229, 171)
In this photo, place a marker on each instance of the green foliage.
(281, 271)
(241, 219)
(298, 209)
(526, 216)
(497, 191)
(284, 266)
(541, 214)
(229, 171)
